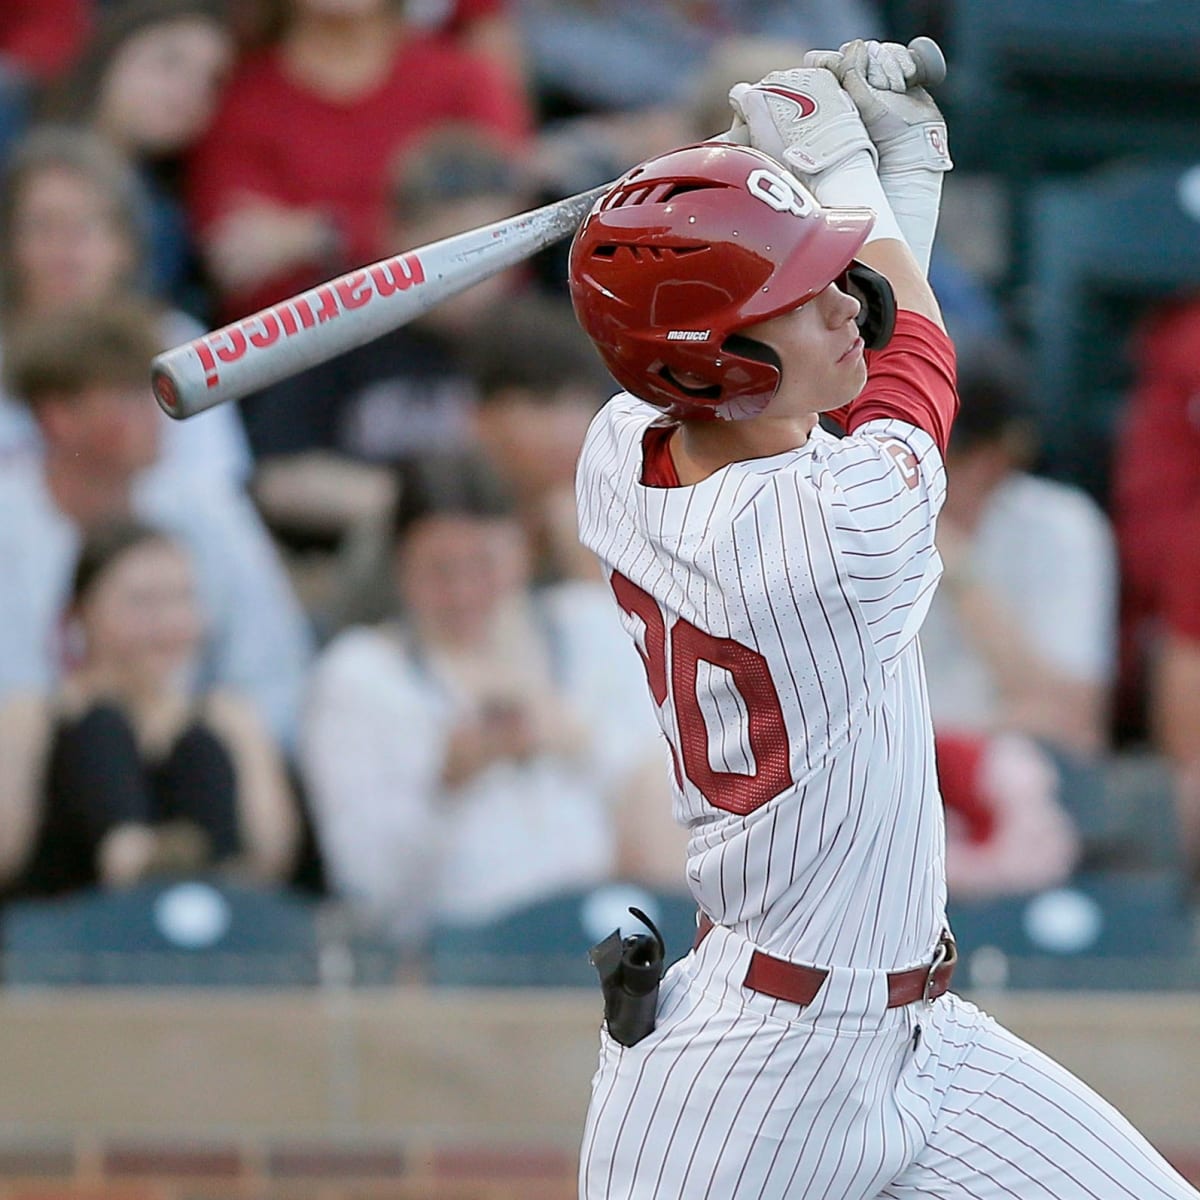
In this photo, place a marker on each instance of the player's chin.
(850, 378)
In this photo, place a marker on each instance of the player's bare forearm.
(893, 259)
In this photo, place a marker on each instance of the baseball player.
(773, 578)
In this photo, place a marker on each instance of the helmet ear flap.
(748, 347)
(877, 316)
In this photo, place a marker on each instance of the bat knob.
(931, 62)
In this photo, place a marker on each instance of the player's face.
(821, 353)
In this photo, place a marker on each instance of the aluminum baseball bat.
(345, 312)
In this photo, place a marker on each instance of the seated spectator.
(148, 82)
(289, 185)
(72, 231)
(126, 770)
(1021, 634)
(466, 758)
(1019, 643)
(539, 384)
(1156, 506)
(84, 374)
(39, 42)
(327, 438)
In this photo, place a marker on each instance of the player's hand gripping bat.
(363, 304)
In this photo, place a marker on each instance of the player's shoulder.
(619, 424)
(888, 442)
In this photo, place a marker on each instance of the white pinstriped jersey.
(776, 606)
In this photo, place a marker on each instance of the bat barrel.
(337, 316)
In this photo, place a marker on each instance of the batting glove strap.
(802, 118)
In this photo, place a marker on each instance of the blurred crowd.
(341, 637)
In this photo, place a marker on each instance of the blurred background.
(323, 759)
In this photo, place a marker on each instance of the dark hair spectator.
(126, 769)
(84, 372)
(73, 224)
(480, 720)
(148, 83)
(107, 345)
(540, 383)
(1021, 634)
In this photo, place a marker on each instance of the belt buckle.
(940, 955)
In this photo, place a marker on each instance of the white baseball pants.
(737, 1095)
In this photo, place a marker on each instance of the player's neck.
(701, 447)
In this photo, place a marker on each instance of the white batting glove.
(906, 127)
(805, 120)
(888, 66)
(904, 122)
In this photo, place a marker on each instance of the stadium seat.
(1102, 248)
(194, 933)
(1117, 930)
(546, 944)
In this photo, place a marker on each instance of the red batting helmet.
(689, 248)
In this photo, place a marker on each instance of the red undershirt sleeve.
(911, 379)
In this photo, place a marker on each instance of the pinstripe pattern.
(737, 1095)
(822, 561)
(820, 564)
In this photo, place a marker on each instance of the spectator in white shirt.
(466, 759)
(84, 373)
(1022, 633)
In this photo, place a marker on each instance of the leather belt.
(800, 984)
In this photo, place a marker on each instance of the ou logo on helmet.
(780, 192)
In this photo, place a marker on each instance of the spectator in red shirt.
(289, 185)
(1157, 514)
(40, 39)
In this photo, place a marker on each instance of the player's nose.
(840, 307)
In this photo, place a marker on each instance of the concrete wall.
(410, 1092)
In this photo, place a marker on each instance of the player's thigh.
(1013, 1123)
(722, 1102)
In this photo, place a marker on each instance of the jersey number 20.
(689, 646)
